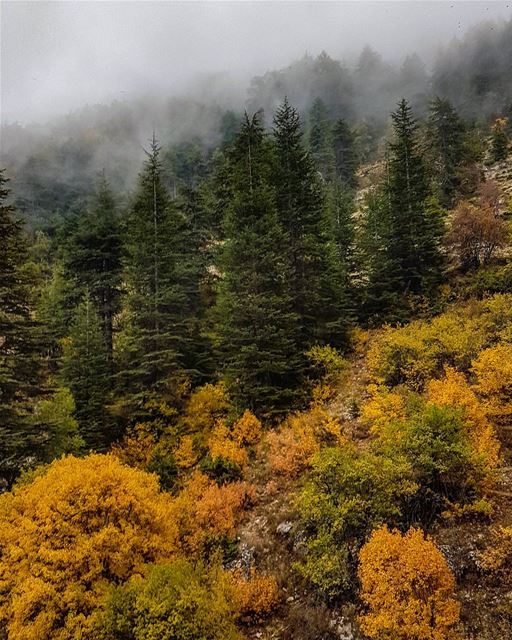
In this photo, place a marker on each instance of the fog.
(59, 56)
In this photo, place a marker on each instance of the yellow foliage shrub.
(136, 447)
(207, 514)
(382, 407)
(206, 405)
(254, 596)
(418, 351)
(493, 371)
(247, 430)
(221, 444)
(498, 556)
(84, 525)
(454, 391)
(407, 587)
(185, 454)
(293, 445)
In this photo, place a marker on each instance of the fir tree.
(317, 285)
(92, 258)
(344, 154)
(20, 381)
(499, 140)
(413, 238)
(85, 371)
(445, 132)
(256, 326)
(320, 139)
(162, 272)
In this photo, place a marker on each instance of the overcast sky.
(58, 56)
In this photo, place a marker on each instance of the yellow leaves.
(84, 524)
(221, 444)
(382, 408)
(293, 445)
(498, 556)
(493, 371)
(454, 391)
(407, 587)
(205, 406)
(137, 446)
(185, 454)
(247, 430)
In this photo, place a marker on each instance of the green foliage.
(256, 325)
(162, 272)
(20, 361)
(56, 414)
(349, 493)
(85, 370)
(172, 602)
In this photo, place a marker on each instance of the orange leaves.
(207, 514)
(407, 587)
(254, 596)
(84, 524)
(293, 445)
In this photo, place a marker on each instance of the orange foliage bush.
(207, 514)
(293, 445)
(254, 596)
(408, 588)
(82, 526)
(247, 430)
(454, 391)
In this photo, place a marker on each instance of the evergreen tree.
(344, 154)
(317, 284)
(445, 144)
(20, 381)
(162, 273)
(320, 138)
(499, 140)
(92, 258)
(414, 238)
(256, 326)
(85, 371)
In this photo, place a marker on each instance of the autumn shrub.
(176, 601)
(205, 406)
(407, 588)
(255, 595)
(207, 514)
(445, 467)
(329, 369)
(83, 525)
(382, 407)
(292, 446)
(349, 493)
(497, 557)
(493, 372)
(419, 351)
(453, 390)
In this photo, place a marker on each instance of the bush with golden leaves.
(255, 595)
(493, 371)
(497, 558)
(407, 588)
(83, 525)
(454, 391)
(292, 446)
(207, 514)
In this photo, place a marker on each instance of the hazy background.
(59, 56)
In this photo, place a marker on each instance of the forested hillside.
(256, 375)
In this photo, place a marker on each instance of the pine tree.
(413, 238)
(318, 283)
(256, 326)
(445, 142)
(499, 139)
(85, 371)
(344, 154)
(320, 139)
(92, 258)
(20, 381)
(162, 272)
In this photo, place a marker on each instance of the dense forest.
(256, 374)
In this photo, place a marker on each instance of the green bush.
(172, 602)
